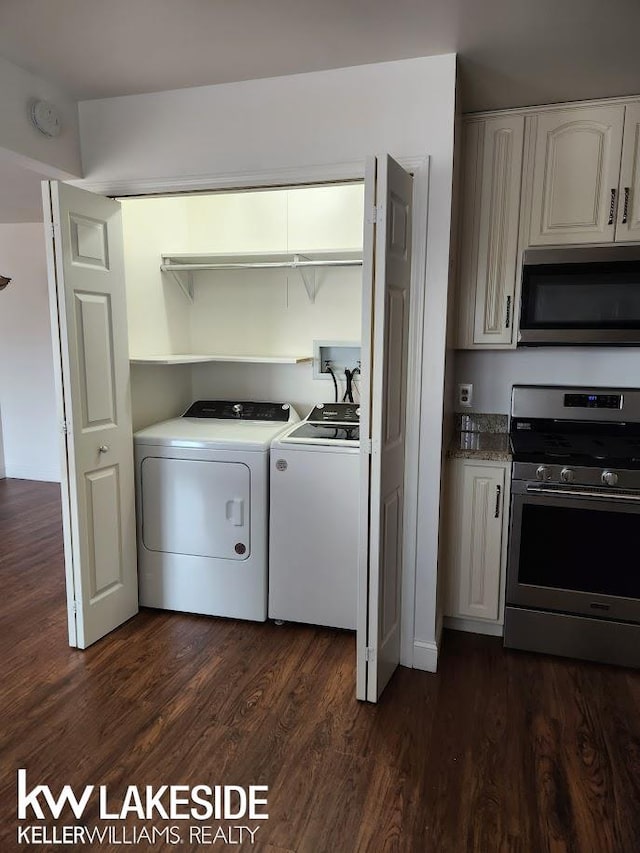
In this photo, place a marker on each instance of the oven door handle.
(580, 493)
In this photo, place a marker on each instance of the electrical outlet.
(465, 394)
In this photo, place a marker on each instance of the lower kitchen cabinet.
(475, 548)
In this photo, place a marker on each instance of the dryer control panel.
(335, 413)
(239, 410)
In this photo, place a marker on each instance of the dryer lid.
(215, 434)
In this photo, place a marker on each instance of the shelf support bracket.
(308, 275)
(184, 283)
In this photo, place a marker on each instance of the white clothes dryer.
(202, 492)
(314, 519)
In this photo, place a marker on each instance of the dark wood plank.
(501, 751)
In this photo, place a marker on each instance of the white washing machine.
(202, 492)
(314, 519)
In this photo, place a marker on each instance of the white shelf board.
(183, 266)
(189, 358)
(180, 260)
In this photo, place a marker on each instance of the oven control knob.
(609, 478)
(543, 473)
(567, 475)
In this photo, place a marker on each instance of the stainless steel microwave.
(580, 295)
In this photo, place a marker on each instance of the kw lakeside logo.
(185, 803)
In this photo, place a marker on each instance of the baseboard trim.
(474, 626)
(425, 656)
(18, 472)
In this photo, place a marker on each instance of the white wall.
(2, 467)
(157, 310)
(159, 393)
(27, 395)
(18, 136)
(493, 373)
(235, 133)
(283, 123)
(256, 312)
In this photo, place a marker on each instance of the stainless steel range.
(573, 574)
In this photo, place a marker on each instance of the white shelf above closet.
(188, 358)
(183, 266)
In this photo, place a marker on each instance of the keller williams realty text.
(76, 836)
(170, 802)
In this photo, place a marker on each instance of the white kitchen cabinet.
(628, 225)
(576, 171)
(476, 542)
(492, 172)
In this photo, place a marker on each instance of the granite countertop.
(480, 436)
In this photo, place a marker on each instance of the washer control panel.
(335, 413)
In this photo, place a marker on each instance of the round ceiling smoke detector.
(45, 118)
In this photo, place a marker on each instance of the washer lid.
(212, 434)
(347, 435)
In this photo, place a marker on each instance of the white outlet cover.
(465, 394)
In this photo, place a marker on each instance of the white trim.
(414, 407)
(292, 176)
(425, 656)
(474, 626)
(561, 105)
(21, 472)
(349, 171)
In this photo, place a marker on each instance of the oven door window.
(581, 296)
(574, 554)
(580, 545)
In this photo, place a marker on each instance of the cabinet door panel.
(576, 170)
(469, 229)
(490, 204)
(498, 230)
(628, 228)
(476, 525)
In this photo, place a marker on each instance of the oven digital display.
(593, 401)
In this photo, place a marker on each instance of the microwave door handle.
(612, 206)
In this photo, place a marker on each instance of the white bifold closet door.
(386, 289)
(88, 310)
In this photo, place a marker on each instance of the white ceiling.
(512, 52)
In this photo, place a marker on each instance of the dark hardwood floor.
(498, 752)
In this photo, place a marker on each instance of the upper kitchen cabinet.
(490, 204)
(575, 190)
(628, 227)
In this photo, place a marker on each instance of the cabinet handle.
(612, 206)
(626, 206)
(507, 319)
(498, 493)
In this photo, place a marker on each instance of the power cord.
(353, 380)
(350, 377)
(335, 381)
(348, 394)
